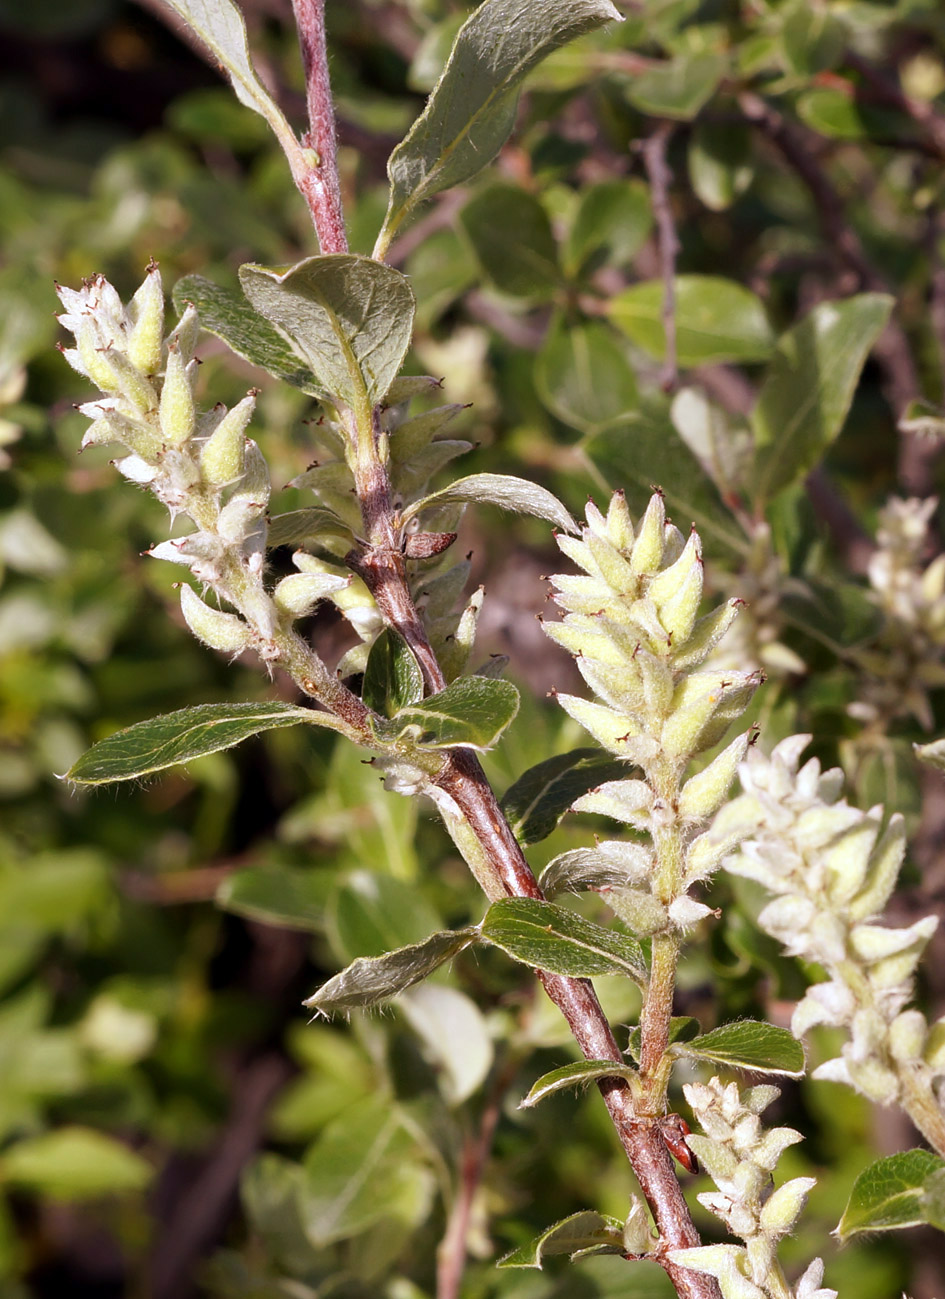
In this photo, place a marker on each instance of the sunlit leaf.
(582, 1233)
(180, 737)
(748, 1044)
(351, 318)
(549, 937)
(580, 1074)
(584, 377)
(290, 897)
(536, 802)
(74, 1163)
(892, 1193)
(227, 314)
(504, 490)
(716, 320)
(392, 678)
(370, 980)
(471, 712)
(471, 111)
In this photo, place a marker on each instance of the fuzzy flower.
(832, 869)
(908, 658)
(632, 621)
(740, 1157)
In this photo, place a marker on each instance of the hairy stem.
(319, 184)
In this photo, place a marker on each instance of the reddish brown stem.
(320, 186)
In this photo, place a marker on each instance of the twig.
(451, 1256)
(892, 349)
(201, 1213)
(320, 187)
(885, 91)
(660, 177)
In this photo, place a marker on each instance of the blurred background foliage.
(170, 1125)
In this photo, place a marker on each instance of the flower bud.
(177, 414)
(146, 311)
(703, 794)
(223, 456)
(299, 593)
(221, 631)
(784, 1206)
(648, 547)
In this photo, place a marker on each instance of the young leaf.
(180, 737)
(220, 26)
(748, 1044)
(891, 1193)
(574, 1075)
(582, 1233)
(499, 489)
(538, 800)
(549, 937)
(584, 377)
(809, 387)
(351, 318)
(716, 320)
(682, 1028)
(370, 980)
(227, 314)
(471, 111)
(511, 236)
(276, 895)
(74, 1163)
(472, 712)
(392, 678)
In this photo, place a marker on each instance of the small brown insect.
(674, 1130)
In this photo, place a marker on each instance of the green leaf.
(219, 24)
(471, 111)
(574, 1075)
(549, 937)
(612, 223)
(370, 980)
(511, 236)
(584, 377)
(472, 712)
(720, 165)
(276, 895)
(538, 800)
(392, 677)
(891, 1193)
(832, 112)
(716, 320)
(504, 490)
(74, 1163)
(180, 737)
(297, 526)
(813, 39)
(351, 318)
(748, 1044)
(581, 1233)
(357, 1172)
(227, 314)
(648, 451)
(809, 387)
(682, 1028)
(679, 87)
